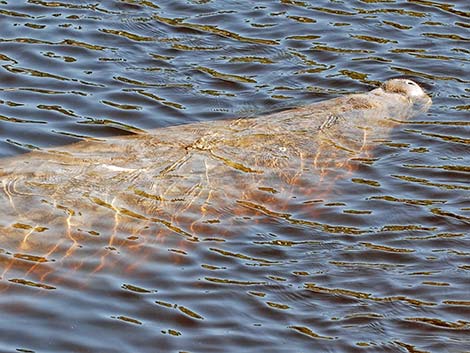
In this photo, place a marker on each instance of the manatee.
(188, 182)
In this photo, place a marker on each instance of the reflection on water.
(376, 261)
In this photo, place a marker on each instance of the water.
(389, 272)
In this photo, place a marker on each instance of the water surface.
(389, 271)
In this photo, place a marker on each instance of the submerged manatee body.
(189, 182)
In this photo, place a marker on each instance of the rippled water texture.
(376, 261)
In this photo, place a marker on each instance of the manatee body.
(190, 182)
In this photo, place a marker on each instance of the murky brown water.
(378, 263)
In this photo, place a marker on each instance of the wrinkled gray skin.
(192, 180)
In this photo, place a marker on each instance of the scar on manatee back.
(360, 103)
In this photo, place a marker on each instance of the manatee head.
(405, 87)
(410, 90)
